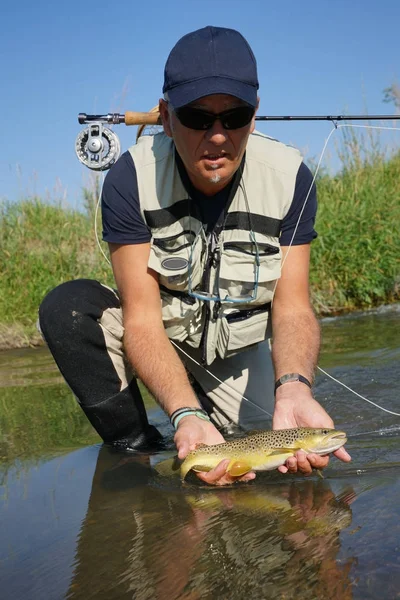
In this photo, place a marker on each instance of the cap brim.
(193, 90)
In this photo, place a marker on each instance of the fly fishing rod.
(98, 146)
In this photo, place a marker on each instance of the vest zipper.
(177, 294)
(211, 262)
(241, 315)
(265, 249)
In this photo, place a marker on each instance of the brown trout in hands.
(263, 451)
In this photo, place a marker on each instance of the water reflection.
(144, 539)
(78, 521)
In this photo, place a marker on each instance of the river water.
(78, 521)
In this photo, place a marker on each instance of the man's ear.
(165, 117)
(253, 121)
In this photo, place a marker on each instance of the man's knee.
(68, 303)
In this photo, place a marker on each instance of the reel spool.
(97, 147)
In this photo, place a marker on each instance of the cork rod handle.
(142, 118)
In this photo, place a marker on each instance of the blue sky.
(59, 59)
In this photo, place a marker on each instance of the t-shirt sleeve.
(305, 232)
(122, 220)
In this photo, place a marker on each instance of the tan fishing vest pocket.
(238, 272)
(181, 316)
(171, 257)
(240, 330)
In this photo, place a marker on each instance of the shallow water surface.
(79, 521)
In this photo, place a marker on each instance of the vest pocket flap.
(181, 315)
(172, 256)
(238, 331)
(239, 261)
(175, 243)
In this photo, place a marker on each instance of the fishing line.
(357, 394)
(227, 385)
(96, 212)
(380, 431)
(224, 383)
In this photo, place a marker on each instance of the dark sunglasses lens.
(237, 118)
(194, 118)
(200, 120)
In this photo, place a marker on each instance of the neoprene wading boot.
(150, 440)
(121, 421)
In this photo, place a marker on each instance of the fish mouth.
(332, 442)
(339, 435)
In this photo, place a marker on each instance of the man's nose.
(217, 134)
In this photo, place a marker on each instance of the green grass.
(42, 245)
(355, 259)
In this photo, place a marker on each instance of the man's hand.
(193, 431)
(295, 407)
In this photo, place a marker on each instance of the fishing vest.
(236, 265)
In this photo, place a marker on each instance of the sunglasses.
(195, 118)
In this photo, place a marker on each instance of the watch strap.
(289, 377)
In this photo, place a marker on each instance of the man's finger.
(318, 462)
(342, 454)
(291, 464)
(215, 474)
(183, 449)
(303, 463)
(219, 476)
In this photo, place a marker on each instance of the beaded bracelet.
(178, 414)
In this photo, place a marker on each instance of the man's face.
(211, 157)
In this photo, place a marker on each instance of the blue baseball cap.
(212, 60)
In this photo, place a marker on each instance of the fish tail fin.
(187, 464)
(169, 467)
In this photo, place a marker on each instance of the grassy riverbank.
(355, 259)
(41, 245)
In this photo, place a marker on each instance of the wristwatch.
(291, 377)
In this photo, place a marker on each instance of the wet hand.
(295, 407)
(219, 476)
(193, 431)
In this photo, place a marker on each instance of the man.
(203, 216)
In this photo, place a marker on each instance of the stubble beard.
(216, 178)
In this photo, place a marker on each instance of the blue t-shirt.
(123, 222)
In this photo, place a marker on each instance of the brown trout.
(263, 451)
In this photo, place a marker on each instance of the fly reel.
(97, 147)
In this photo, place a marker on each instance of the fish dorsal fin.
(238, 467)
(253, 432)
(200, 445)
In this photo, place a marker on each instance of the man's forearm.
(295, 343)
(157, 364)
